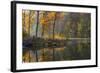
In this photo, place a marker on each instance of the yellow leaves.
(46, 19)
(32, 17)
(56, 36)
(60, 49)
(60, 15)
(59, 36)
(26, 23)
(51, 15)
(27, 19)
(43, 21)
(27, 56)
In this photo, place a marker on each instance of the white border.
(21, 65)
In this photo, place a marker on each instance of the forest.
(55, 36)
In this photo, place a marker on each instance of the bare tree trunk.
(37, 34)
(54, 35)
(29, 35)
(42, 34)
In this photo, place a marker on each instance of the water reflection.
(71, 50)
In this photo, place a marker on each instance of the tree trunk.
(29, 35)
(37, 34)
(54, 36)
(42, 34)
